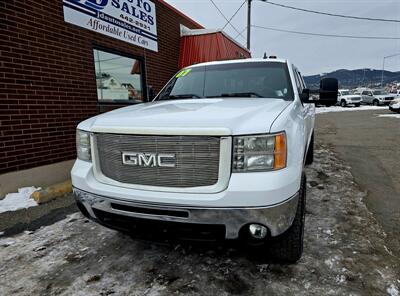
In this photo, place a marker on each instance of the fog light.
(258, 231)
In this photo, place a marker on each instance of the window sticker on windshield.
(183, 73)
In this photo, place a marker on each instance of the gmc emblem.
(147, 160)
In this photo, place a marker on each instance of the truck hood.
(227, 116)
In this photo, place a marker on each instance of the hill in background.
(355, 78)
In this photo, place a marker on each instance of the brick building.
(54, 74)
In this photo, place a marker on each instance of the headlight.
(83, 149)
(259, 153)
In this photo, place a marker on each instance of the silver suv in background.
(346, 98)
(377, 97)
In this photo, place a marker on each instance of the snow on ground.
(393, 291)
(347, 109)
(389, 115)
(344, 254)
(20, 200)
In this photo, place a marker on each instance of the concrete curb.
(32, 218)
(52, 192)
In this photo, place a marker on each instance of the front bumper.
(394, 107)
(351, 102)
(277, 218)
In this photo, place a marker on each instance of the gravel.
(345, 254)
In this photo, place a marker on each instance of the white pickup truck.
(218, 154)
(346, 98)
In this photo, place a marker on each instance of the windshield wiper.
(185, 96)
(238, 95)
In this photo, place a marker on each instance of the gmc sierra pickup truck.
(218, 154)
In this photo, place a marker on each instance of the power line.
(234, 14)
(327, 35)
(221, 13)
(391, 56)
(332, 14)
(241, 32)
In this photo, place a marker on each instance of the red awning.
(198, 46)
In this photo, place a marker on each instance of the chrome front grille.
(196, 159)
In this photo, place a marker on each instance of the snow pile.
(392, 290)
(20, 200)
(346, 109)
(389, 115)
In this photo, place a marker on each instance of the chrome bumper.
(277, 218)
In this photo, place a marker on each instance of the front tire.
(357, 105)
(375, 103)
(288, 247)
(343, 103)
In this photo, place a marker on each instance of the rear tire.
(288, 247)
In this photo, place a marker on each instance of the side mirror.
(305, 95)
(328, 91)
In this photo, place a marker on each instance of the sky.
(311, 54)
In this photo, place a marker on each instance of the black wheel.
(375, 103)
(357, 105)
(288, 247)
(343, 103)
(310, 152)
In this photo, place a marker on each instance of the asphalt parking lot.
(349, 246)
(370, 144)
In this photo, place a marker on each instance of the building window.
(118, 78)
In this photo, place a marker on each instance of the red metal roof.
(198, 46)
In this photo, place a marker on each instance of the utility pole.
(248, 23)
(383, 70)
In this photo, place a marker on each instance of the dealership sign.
(133, 21)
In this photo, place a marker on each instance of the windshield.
(265, 80)
(345, 92)
(379, 92)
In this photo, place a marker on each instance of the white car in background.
(395, 105)
(396, 94)
(346, 98)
